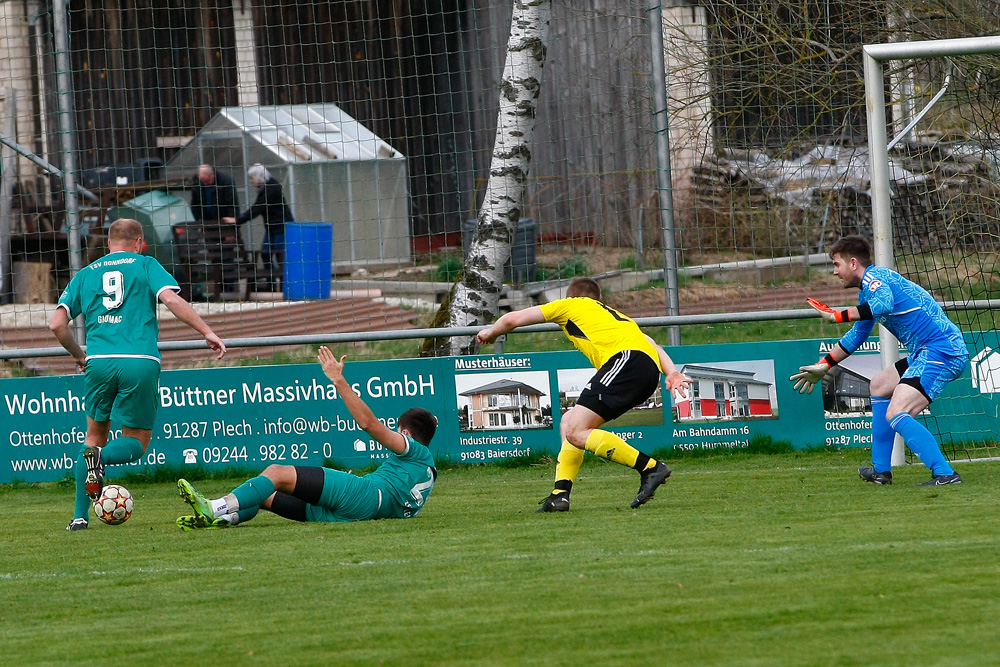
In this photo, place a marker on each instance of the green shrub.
(449, 268)
(567, 268)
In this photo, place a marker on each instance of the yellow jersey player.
(629, 365)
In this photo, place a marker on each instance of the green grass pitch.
(740, 559)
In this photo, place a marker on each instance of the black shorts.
(623, 382)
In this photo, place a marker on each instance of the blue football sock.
(923, 444)
(81, 503)
(121, 450)
(253, 492)
(882, 436)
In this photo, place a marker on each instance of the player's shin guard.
(609, 446)
(567, 467)
(121, 450)
(254, 491)
(923, 444)
(882, 436)
(81, 502)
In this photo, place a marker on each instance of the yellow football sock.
(609, 446)
(567, 467)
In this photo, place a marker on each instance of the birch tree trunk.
(474, 297)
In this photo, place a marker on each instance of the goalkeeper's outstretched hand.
(808, 376)
(828, 313)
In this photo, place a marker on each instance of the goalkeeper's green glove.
(808, 376)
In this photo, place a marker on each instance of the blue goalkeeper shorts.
(930, 371)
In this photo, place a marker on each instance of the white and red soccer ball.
(114, 505)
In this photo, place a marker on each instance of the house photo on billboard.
(498, 403)
(726, 392)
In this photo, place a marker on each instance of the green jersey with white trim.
(407, 478)
(117, 297)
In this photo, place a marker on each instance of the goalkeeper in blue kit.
(397, 489)
(937, 355)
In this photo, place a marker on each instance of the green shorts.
(346, 497)
(125, 390)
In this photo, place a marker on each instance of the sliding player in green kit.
(116, 296)
(398, 489)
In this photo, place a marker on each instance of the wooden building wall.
(143, 69)
(593, 162)
(423, 74)
(394, 65)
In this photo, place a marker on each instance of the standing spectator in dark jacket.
(214, 198)
(271, 207)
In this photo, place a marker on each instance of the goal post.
(980, 127)
(874, 57)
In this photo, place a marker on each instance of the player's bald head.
(124, 231)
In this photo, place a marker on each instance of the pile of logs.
(944, 196)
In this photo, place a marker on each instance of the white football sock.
(219, 507)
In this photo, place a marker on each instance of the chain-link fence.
(378, 119)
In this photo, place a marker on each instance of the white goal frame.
(878, 149)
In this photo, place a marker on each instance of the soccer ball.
(114, 506)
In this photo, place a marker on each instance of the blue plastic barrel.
(308, 260)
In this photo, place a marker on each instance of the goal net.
(936, 206)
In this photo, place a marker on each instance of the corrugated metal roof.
(307, 317)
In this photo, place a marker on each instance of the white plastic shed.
(332, 169)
